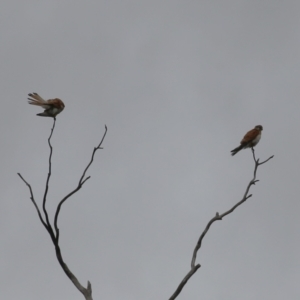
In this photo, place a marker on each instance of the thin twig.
(50, 229)
(92, 158)
(217, 217)
(33, 201)
(79, 186)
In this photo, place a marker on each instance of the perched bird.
(250, 139)
(52, 106)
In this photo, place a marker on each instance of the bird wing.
(250, 136)
(57, 103)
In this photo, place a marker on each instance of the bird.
(52, 106)
(250, 139)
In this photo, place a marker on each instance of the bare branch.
(49, 227)
(79, 186)
(59, 207)
(33, 201)
(87, 292)
(218, 217)
(49, 174)
(92, 158)
(266, 160)
(184, 281)
(46, 223)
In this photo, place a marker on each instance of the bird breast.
(256, 140)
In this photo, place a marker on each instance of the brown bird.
(250, 139)
(52, 106)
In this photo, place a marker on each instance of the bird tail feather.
(36, 99)
(237, 149)
(44, 114)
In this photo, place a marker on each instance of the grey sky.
(178, 83)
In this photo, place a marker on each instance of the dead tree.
(44, 217)
(217, 217)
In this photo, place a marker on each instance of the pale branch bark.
(87, 292)
(217, 217)
(54, 234)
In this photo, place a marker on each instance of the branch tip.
(266, 160)
(89, 287)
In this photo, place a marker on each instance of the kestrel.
(250, 139)
(52, 106)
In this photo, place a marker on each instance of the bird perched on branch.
(52, 106)
(250, 139)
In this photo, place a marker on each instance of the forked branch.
(54, 234)
(217, 217)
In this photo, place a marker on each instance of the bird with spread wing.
(52, 106)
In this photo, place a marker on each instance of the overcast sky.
(178, 83)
